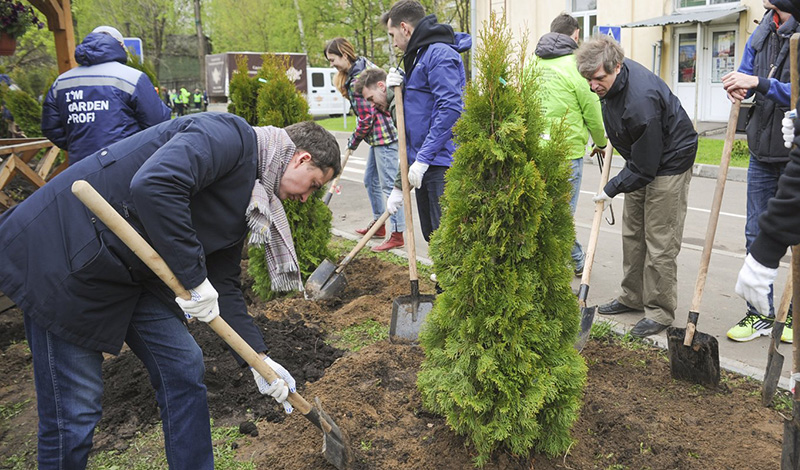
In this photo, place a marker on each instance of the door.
(685, 72)
(720, 55)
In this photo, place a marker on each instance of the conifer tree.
(499, 358)
(271, 99)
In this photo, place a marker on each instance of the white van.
(323, 98)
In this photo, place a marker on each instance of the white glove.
(203, 305)
(602, 197)
(788, 128)
(280, 388)
(393, 78)
(416, 172)
(754, 284)
(395, 201)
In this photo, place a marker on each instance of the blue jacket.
(434, 85)
(184, 185)
(101, 101)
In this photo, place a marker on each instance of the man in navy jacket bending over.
(194, 188)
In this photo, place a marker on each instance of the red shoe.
(379, 234)
(395, 241)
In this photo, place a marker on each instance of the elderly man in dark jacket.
(193, 188)
(101, 101)
(647, 125)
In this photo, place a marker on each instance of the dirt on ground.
(634, 416)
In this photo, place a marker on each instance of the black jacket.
(647, 125)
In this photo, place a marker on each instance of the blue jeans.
(428, 195)
(379, 175)
(762, 184)
(69, 387)
(578, 256)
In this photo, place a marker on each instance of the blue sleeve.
(446, 89)
(148, 107)
(746, 66)
(777, 91)
(191, 160)
(52, 127)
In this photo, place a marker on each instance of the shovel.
(335, 445)
(328, 280)
(327, 197)
(408, 311)
(694, 356)
(774, 358)
(790, 452)
(587, 313)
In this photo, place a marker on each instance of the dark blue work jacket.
(183, 184)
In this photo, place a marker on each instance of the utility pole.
(201, 43)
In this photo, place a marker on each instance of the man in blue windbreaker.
(196, 188)
(432, 101)
(101, 101)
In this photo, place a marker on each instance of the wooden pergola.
(59, 21)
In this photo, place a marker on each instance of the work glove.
(395, 201)
(755, 283)
(605, 198)
(788, 128)
(393, 78)
(203, 305)
(280, 388)
(416, 173)
(598, 151)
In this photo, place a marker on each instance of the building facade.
(690, 44)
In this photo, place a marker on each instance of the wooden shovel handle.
(375, 227)
(121, 228)
(599, 207)
(327, 198)
(403, 156)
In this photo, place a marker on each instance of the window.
(687, 57)
(700, 3)
(585, 11)
(723, 54)
(317, 80)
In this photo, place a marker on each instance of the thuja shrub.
(26, 110)
(276, 102)
(243, 93)
(499, 359)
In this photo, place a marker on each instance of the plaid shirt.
(373, 126)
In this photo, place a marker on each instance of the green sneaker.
(751, 327)
(788, 335)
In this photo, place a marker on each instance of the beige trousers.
(652, 231)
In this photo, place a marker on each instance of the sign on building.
(613, 31)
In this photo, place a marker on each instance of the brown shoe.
(379, 234)
(395, 241)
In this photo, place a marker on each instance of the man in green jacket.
(566, 95)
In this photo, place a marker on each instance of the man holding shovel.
(647, 125)
(764, 72)
(193, 188)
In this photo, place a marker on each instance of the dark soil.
(634, 417)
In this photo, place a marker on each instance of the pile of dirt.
(634, 415)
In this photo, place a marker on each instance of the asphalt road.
(720, 308)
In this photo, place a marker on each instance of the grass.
(709, 152)
(337, 124)
(355, 337)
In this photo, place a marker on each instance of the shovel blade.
(698, 363)
(408, 314)
(587, 318)
(325, 282)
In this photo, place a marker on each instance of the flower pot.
(8, 44)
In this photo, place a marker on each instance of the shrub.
(270, 99)
(499, 359)
(26, 110)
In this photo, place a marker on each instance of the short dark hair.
(564, 24)
(404, 11)
(321, 144)
(369, 78)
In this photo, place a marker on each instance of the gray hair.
(320, 143)
(599, 50)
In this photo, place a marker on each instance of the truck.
(315, 83)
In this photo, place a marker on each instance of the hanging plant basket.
(8, 44)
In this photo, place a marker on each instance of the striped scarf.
(265, 215)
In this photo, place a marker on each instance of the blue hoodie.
(434, 83)
(101, 101)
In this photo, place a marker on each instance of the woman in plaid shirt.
(377, 128)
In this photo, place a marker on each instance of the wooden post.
(59, 21)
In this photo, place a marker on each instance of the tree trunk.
(300, 26)
(201, 49)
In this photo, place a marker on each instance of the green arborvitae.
(26, 110)
(499, 358)
(272, 100)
